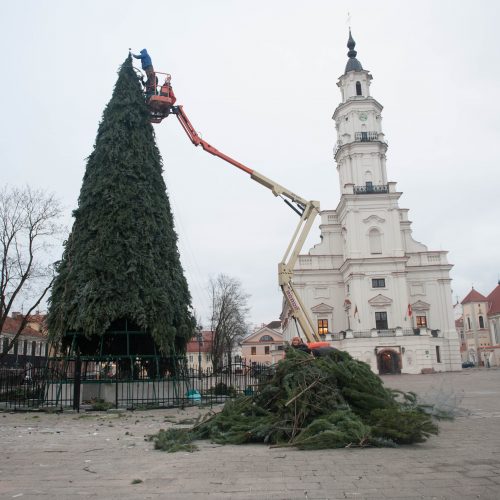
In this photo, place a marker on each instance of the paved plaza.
(106, 456)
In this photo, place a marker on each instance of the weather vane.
(349, 19)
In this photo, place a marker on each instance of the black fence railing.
(83, 383)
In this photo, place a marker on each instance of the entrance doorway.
(389, 362)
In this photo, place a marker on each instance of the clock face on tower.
(363, 117)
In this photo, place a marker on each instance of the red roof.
(459, 322)
(494, 301)
(474, 296)
(11, 326)
(206, 344)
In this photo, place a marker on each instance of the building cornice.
(354, 102)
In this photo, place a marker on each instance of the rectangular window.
(16, 347)
(438, 354)
(421, 322)
(322, 326)
(381, 320)
(5, 344)
(254, 351)
(378, 283)
(190, 358)
(25, 347)
(33, 348)
(266, 349)
(46, 352)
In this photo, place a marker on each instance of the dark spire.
(352, 64)
(350, 45)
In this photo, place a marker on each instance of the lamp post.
(199, 337)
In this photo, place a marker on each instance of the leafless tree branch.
(28, 228)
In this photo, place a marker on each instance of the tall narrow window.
(25, 347)
(33, 348)
(5, 344)
(381, 320)
(266, 349)
(254, 351)
(481, 322)
(438, 354)
(358, 88)
(322, 326)
(375, 241)
(468, 322)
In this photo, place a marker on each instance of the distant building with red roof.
(199, 350)
(31, 346)
(481, 326)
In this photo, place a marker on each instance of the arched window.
(266, 338)
(358, 88)
(481, 322)
(375, 241)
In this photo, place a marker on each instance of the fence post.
(77, 384)
(116, 389)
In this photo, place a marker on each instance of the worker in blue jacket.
(147, 66)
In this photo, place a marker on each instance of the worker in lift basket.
(147, 66)
(298, 343)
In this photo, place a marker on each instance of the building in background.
(481, 326)
(371, 289)
(265, 345)
(31, 347)
(199, 351)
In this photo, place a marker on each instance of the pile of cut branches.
(331, 401)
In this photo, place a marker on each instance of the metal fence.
(132, 383)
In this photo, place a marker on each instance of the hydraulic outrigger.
(161, 105)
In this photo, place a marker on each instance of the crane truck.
(161, 104)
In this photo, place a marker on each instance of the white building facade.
(369, 286)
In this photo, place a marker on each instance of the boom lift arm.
(161, 106)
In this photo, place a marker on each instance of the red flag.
(410, 312)
(356, 313)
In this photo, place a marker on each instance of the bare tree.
(228, 321)
(28, 227)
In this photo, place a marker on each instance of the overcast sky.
(258, 80)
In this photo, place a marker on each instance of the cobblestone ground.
(67, 456)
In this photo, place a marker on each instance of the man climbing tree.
(121, 268)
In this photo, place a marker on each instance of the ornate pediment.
(322, 309)
(373, 218)
(255, 336)
(380, 301)
(420, 305)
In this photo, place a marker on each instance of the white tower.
(372, 289)
(361, 147)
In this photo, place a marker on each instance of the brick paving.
(92, 455)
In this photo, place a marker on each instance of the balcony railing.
(371, 189)
(366, 136)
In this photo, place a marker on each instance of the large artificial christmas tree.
(121, 267)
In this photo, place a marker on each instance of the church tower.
(370, 287)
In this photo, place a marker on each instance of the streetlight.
(199, 337)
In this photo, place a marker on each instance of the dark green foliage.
(402, 426)
(173, 440)
(314, 403)
(121, 261)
